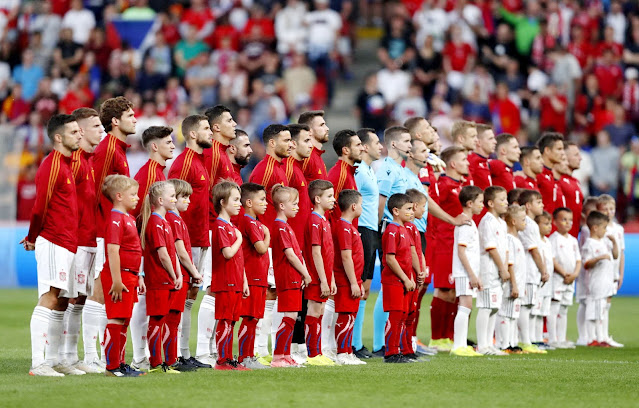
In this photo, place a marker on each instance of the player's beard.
(204, 144)
(355, 159)
(323, 139)
(243, 161)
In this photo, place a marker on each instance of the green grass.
(588, 377)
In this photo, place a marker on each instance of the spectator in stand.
(149, 79)
(479, 78)
(233, 84)
(526, 28)
(553, 106)
(393, 83)
(580, 48)
(26, 192)
(499, 50)
(289, 28)
(609, 43)
(45, 101)
(370, 107)
(630, 98)
(605, 160)
(28, 75)
(68, 54)
(475, 110)
(187, 49)
(78, 95)
(203, 75)
(199, 17)
(588, 105)
(468, 17)
(148, 118)
(610, 75)
(543, 41)
(99, 47)
(161, 54)
(617, 21)
(429, 65)
(431, 21)
(260, 22)
(566, 73)
(5, 79)
(140, 10)
(513, 77)
(459, 59)
(48, 24)
(505, 115)
(396, 46)
(630, 176)
(411, 106)
(298, 80)
(33, 136)
(15, 108)
(620, 131)
(80, 20)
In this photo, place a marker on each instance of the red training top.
(396, 241)
(121, 230)
(286, 277)
(342, 175)
(148, 174)
(314, 167)
(318, 233)
(480, 169)
(268, 173)
(296, 179)
(158, 234)
(346, 237)
(502, 175)
(228, 274)
(84, 176)
(252, 232)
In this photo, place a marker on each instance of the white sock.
(551, 322)
(492, 324)
(72, 322)
(524, 324)
(205, 326)
(39, 330)
(264, 329)
(562, 323)
(90, 329)
(333, 340)
(461, 327)
(185, 329)
(503, 332)
(139, 327)
(514, 333)
(275, 324)
(605, 323)
(54, 338)
(599, 330)
(539, 329)
(483, 319)
(327, 325)
(62, 357)
(101, 329)
(591, 330)
(581, 322)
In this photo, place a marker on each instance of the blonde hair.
(605, 199)
(282, 194)
(513, 210)
(222, 191)
(151, 200)
(117, 183)
(182, 188)
(459, 128)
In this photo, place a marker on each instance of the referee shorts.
(371, 241)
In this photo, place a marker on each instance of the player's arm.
(246, 292)
(514, 291)
(37, 212)
(558, 268)
(230, 251)
(539, 261)
(380, 210)
(165, 260)
(622, 265)
(297, 264)
(349, 268)
(590, 263)
(615, 247)
(417, 267)
(318, 261)
(436, 211)
(463, 258)
(501, 266)
(261, 247)
(113, 252)
(185, 260)
(394, 266)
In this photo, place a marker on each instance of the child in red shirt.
(291, 275)
(229, 280)
(120, 275)
(162, 275)
(348, 267)
(256, 239)
(397, 279)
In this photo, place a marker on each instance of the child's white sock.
(328, 324)
(581, 322)
(504, 331)
(39, 328)
(54, 338)
(205, 326)
(264, 329)
(562, 323)
(275, 325)
(185, 329)
(551, 322)
(461, 327)
(482, 322)
(139, 327)
(524, 324)
(605, 323)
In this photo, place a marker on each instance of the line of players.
(216, 151)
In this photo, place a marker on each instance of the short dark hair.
(548, 140)
(307, 117)
(503, 139)
(555, 213)
(317, 188)
(365, 134)
(347, 198)
(57, 122)
(213, 114)
(491, 192)
(296, 129)
(568, 143)
(526, 152)
(544, 215)
(113, 108)
(85, 113)
(398, 201)
(412, 123)
(482, 127)
(392, 133)
(238, 133)
(155, 133)
(192, 123)
(416, 195)
(273, 131)
(469, 193)
(450, 152)
(248, 191)
(527, 196)
(596, 218)
(342, 139)
(513, 195)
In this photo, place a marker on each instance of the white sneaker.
(497, 352)
(94, 366)
(89, 369)
(581, 342)
(613, 343)
(568, 344)
(253, 364)
(343, 359)
(143, 365)
(558, 345)
(205, 359)
(67, 369)
(298, 357)
(330, 354)
(44, 370)
(355, 360)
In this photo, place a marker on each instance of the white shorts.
(510, 308)
(200, 256)
(595, 309)
(100, 257)
(615, 288)
(529, 297)
(582, 285)
(56, 268)
(270, 278)
(567, 297)
(84, 271)
(489, 298)
(463, 288)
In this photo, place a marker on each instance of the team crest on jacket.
(451, 280)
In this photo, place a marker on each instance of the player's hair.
(469, 193)
(56, 123)
(393, 133)
(459, 128)
(526, 152)
(450, 152)
(296, 130)
(214, 114)
(222, 192)
(605, 199)
(412, 124)
(415, 195)
(555, 214)
(85, 113)
(503, 139)
(155, 133)
(364, 134)
(116, 183)
(347, 198)
(317, 187)
(513, 195)
(548, 140)
(568, 143)
(491, 192)
(482, 127)
(596, 218)
(590, 204)
(272, 131)
(527, 196)
(239, 133)
(192, 123)
(342, 139)
(282, 194)
(307, 117)
(513, 210)
(249, 190)
(182, 188)
(113, 108)
(545, 215)
(398, 201)
(151, 200)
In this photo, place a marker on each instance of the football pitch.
(581, 377)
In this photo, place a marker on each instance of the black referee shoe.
(363, 353)
(380, 353)
(396, 359)
(195, 363)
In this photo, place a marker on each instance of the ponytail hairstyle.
(150, 201)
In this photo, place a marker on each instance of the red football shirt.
(448, 193)
(219, 167)
(610, 80)
(296, 179)
(480, 169)
(551, 118)
(252, 232)
(574, 198)
(84, 176)
(342, 175)
(121, 230)
(109, 158)
(548, 189)
(286, 277)
(228, 274)
(189, 166)
(158, 234)
(180, 233)
(56, 203)
(318, 233)
(396, 240)
(268, 173)
(526, 182)
(502, 175)
(314, 167)
(427, 176)
(458, 55)
(148, 174)
(346, 237)
(416, 241)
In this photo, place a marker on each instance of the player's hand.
(178, 282)
(116, 291)
(409, 285)
(421, 277)
(141, 286)
(325, 289)
(504, 275)
(28, 246)
(619, 283)
(307, 280)
(514, 292)
(611, 238)
(197, 278)
(569, 278)
(238, 234)
(461, 219)
(333, 288)
(356, 291)
(267, 233)
(246, 292)
(545, 276)
(474, 282)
